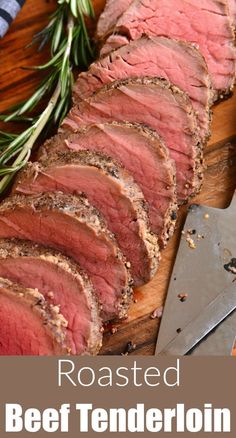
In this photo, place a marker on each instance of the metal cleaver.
(199, 316)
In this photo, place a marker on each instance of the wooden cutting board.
(220, 175)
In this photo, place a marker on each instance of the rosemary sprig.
(70, 47)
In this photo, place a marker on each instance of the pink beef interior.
(95, 254)
(22, 330)
(151, 105)
(113, 10)
(141, 154)
(177, 62)
(205, 23)
(107, 195)
(67, 292)
(232, 10)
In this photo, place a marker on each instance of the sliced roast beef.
(114, 42)
(142, 153)
(30, 326)
(205, 23)
(107, 20)
(111, 190)
(62, 283)
(158, 104)
(179, 62)
(69, 224)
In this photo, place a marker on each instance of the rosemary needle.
(70, 48)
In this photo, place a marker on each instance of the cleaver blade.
(205, 266)
(210, 317)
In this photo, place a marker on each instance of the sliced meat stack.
(143, 154)
(69, 224)
(179, 62)
(29, 325)
(62, 284)
(206, 23)
(112, 191)
(156, 103)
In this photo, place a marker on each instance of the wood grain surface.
(219, 183)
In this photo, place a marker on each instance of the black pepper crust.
(217, 95)
(15, 249)
(183, 101)
(54, 323)
(78, 208)
(189, 48)
(62, 140)
(111, 169)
